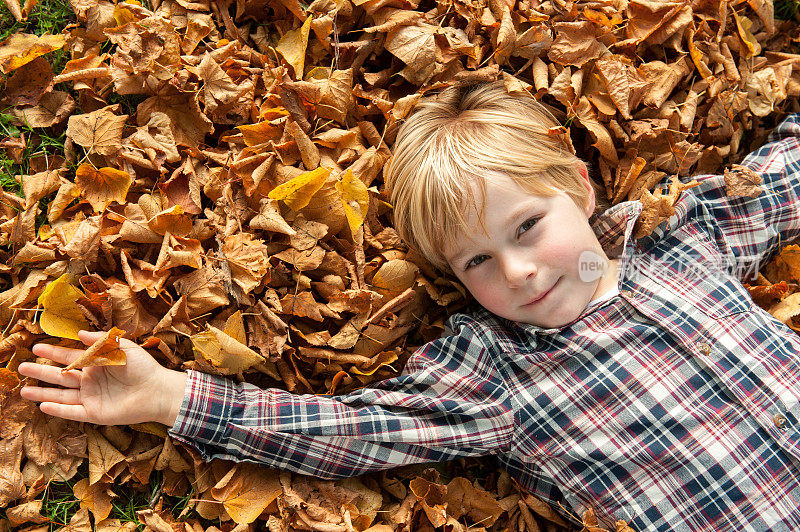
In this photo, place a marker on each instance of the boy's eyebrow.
(522, 209)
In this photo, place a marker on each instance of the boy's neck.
(608, 280)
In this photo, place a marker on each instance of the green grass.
(787, 9)
(60, 503)
(48, 16)
(39, 142)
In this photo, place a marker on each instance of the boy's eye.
(475, 261)
(527, 224)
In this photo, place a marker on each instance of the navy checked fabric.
(673, 405)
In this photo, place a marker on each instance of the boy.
(602, 371)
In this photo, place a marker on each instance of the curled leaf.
(104, 352)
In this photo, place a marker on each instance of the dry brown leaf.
(101, 186)
(105, 351)
(658, 207)
(742, 181)
(51, 109)
(96, 497)
(27, 512)
(575, 43)
(246, 491)
(463, 498)
(226, 353)
(103, 456)
(99, 131)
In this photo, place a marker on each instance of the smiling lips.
(533, 302)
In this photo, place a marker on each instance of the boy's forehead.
(499, 194)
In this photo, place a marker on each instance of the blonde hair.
(453, 139)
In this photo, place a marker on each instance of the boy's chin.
(547, 320)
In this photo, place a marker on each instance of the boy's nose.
(518, 272)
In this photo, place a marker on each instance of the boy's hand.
(142, 390)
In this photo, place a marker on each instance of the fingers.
(62, 396)
(62, 355)
(73, 412)
(51, 374)
(90, 337)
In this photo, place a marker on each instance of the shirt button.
(780, 421)
(703, 348)
(626, 293)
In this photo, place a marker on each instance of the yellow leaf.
(102, 186)
(743, 24)
(234, 327)
(271, 113)
(223, 351)
(298, 192)
(355, 199)
(384, 358)
(22, 48)
(292, 47)
(697, 56)
(173, 220)
(122, 15)
(61, 316)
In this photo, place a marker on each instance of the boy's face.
(527, 266)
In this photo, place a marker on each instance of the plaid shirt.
(672, 405)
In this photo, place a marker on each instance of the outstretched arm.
(747, 230)
(450, 402)
(141, 390)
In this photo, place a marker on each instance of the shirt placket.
(701, 340)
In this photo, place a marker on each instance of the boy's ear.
(590, 199)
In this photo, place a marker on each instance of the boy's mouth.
(536, 300)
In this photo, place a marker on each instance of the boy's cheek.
(489, 297)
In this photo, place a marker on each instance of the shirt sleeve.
(449, 402)
(748, 230)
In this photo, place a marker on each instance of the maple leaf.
(246, 490)
(99, 131)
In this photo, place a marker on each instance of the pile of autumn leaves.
(233, 220)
